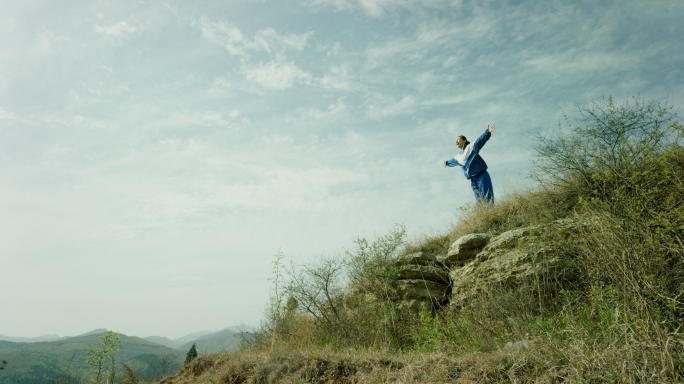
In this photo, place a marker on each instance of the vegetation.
(99, 358)
(191, 355)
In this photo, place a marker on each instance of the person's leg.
(476, 190)
(484, 185)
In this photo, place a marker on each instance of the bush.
(348, 297)
(606, 137)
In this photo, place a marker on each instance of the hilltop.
(580, 279)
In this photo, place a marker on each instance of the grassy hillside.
(614, 313)
(46, 362)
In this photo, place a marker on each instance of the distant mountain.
(98, 331)
(30, 339)
(184, 343)
(48, 337)
(46, 362)
(225, 340)
(163, 341)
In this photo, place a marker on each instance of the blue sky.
(155, 155)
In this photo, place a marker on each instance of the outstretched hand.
(491, 128)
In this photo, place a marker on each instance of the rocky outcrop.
(516, 257)
(465, 248)
(478, 262)
(423, 278)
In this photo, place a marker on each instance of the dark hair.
(464, 139)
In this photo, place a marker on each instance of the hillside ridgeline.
(578, 280)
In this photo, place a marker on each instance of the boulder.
(425, 272)
(417, 289)
(418, 258)
(524, 255)
(465, 248)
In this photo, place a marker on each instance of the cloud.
(380, 106)
(276, 75)
(333, 109)
(46, 39)
(337, 78)
(377, 8)
(267, 39)
(222, 82)
(6, 115)
(224, 34)
(119, 30)
(79, 121)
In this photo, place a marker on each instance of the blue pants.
(482, 188)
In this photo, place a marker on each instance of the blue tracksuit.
(475, 168)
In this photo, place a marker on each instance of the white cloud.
(267, 39)
(378, 8)
(79, 121)
(270, 40)
(222, 82)
(381, 106)
(46, 39)
(215, 118)
(120, 29)
(224, 34)
(333, 109)
(337, 78)
(6, 115)
(276, 75)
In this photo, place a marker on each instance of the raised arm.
(480, 142)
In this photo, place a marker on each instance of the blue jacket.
(469, 157)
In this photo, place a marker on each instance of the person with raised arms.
(474, 167)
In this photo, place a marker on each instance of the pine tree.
(192, 354)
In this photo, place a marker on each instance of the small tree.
(606, 137)
(2, 364)
(130, 376)
(191, 355)
(110, 343)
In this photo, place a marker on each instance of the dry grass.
(519, 209)
(368, 366)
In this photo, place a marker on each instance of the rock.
(418, 258)
(416, 289)
(524, 255)
(465, 248)
(424, 272)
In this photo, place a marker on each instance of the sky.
(155, 155)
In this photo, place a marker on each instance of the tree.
(130, 376)
(2, 364)
(191, 355)
(606, 137)
(110, 343)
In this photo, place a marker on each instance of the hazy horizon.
(155, 156)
